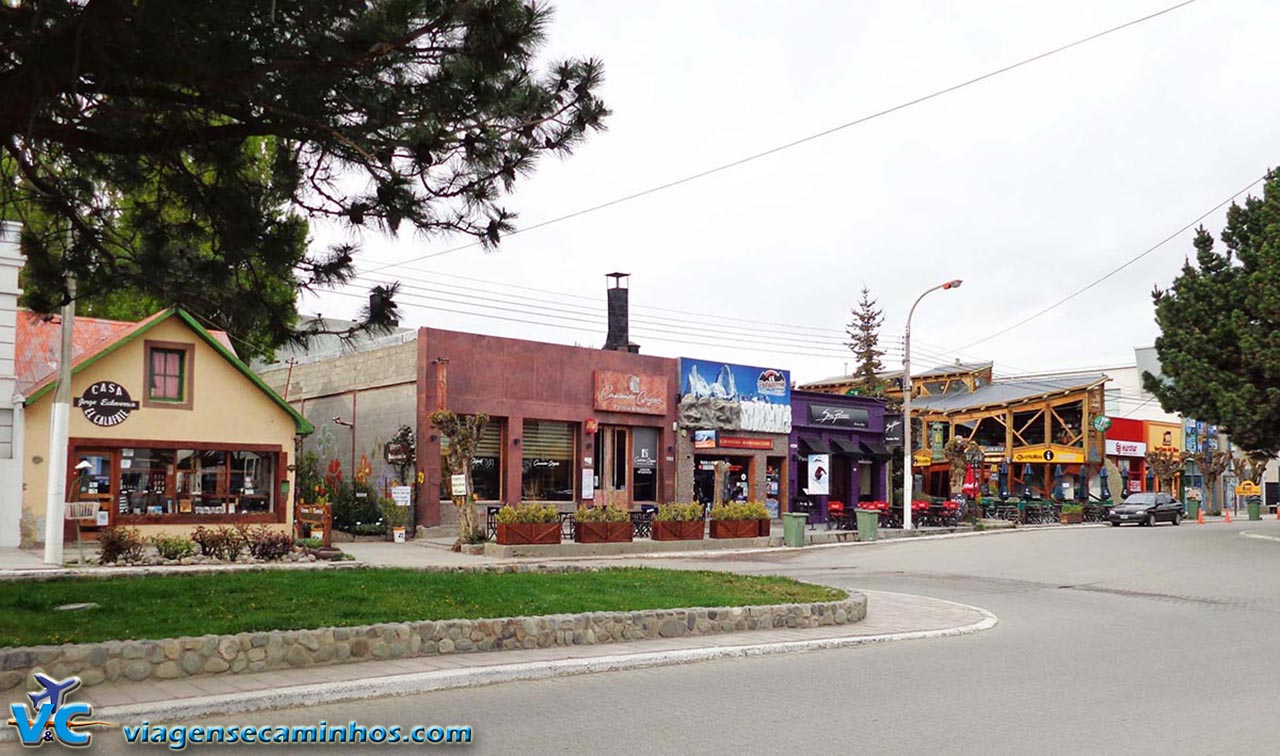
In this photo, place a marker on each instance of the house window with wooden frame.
(1068, 424)
(169, 374)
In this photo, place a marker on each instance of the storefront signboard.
(106, 403)
(1117, 448)
(760, 398)
(395, 453)
(1063, 456)
(704, 439)
(458, 483)
(838, 417)
(819, 475)
(893, 430)
(737, 442)
(1101, 423)
(401, 495)
(618, 391)
(1164, 437)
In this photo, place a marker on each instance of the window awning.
(811, 445)
(877, 450)
(847, 446)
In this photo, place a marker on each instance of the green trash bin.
(868, 524)
(1255, 509)
(1193, 509)
(793, 525)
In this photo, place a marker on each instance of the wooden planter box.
(1071, 518)
(738, 528)
(678, 531)
(528, 533)
(603, 532)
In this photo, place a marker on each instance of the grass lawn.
(233, 602)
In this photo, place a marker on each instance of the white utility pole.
(906, 406)
(58, 437)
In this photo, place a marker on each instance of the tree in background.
(1211, 464)
(1166, 465)
(176, 149)
(864, 342)
(463, 432)
(1219, 346)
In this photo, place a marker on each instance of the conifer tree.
(864, 342)
(229, 122)
(1219, 346)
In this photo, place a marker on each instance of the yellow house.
(168, 428)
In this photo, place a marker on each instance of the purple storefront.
(837, 451)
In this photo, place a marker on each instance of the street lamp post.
(906, 406)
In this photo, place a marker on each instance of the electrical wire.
(809, 138)
(1118, 268)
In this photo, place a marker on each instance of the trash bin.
(1255, 509)
(1193, 509)
(868, 523)
(793, 525)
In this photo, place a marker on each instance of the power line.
(1119, 268)
(596, 331)
(809, 138)
(599, 301)
(595, 310)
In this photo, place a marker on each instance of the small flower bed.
(220, 545)
(744, 510)
(601, 514)
(679, 512)
(528, 512)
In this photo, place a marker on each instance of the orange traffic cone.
(1226, 512)
(1199, 515)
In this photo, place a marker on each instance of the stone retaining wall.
(112, 661)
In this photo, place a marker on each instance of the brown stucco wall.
(515, 380)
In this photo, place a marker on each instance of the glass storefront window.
(486, 465)
(159, 482)
(548, 461)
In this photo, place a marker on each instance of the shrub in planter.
(120, 545)
(219, 543)
(678, 522)
(602, 525)
(267, 544)
(353, 505)
(738, 519)
(528, 523)
(173, 547)
(1071, 514)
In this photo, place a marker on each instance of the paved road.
(1111, 641)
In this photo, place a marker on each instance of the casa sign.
(106, 403)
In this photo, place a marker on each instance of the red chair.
(835, 515)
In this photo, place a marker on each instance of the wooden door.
(615, 482)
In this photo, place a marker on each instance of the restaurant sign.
(106, 403)
(618, 391)
(837, 417)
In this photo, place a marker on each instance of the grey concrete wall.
(349, 372)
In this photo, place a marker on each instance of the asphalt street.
(1126, 640)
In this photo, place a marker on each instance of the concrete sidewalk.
(890, 616)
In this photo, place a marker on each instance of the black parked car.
(1147, 509)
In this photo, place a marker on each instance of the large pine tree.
(1219, 346)
(226, 122)
(864, 342)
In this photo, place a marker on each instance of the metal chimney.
(619, 338)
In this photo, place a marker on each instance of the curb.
(427, 682)
(814, 546)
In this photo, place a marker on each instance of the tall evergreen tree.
(864, 342)
(229, 121)
(1219, 346)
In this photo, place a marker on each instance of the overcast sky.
(1027, 186)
